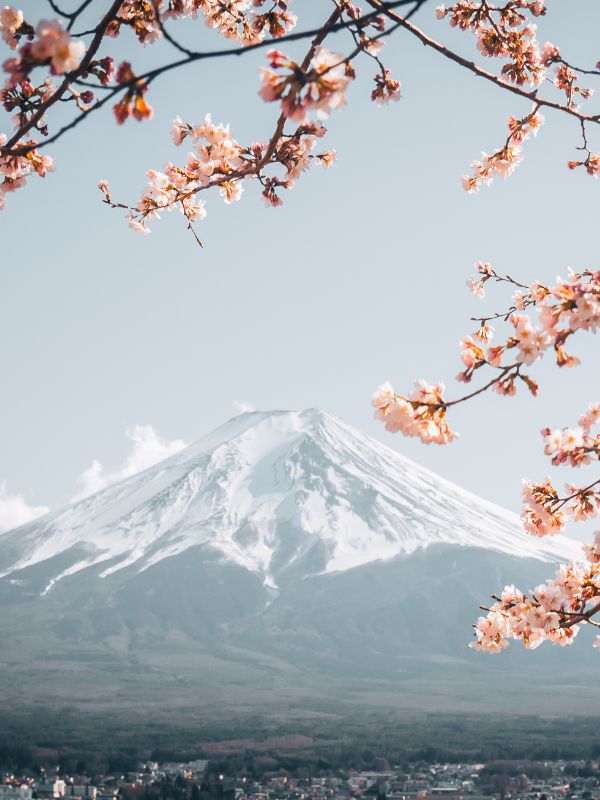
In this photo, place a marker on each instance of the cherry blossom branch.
(380, 7)
(567, 618)
(564, 309)
(508, 37)
(478, 71)
(580, 69)
(578, 493)
(192, 57)
(585, 617)
(224, 164)
(146, 20)
(553, 611)
(478, 289)
(512, 368)
(68, 80)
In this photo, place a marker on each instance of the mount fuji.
(285, 557)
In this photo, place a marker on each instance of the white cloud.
(148, 449)
(242, 406)
(15, 510)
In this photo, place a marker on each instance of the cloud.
(15, 510)
(148, 449)
(242, 406)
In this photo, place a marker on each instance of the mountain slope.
(281, 556)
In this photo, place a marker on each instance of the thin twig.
(505, 371)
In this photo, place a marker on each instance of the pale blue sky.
(358, 279)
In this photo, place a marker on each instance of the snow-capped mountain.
(283, 550)
(276, 493)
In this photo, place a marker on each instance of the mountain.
(284, 558)
(285, 495)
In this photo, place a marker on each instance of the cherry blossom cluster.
(48, 45)
(422, 413)
(503, 32)
(544, 511)
(142, 16)
(133, 102)
(386, 88)
(568, 306)
(240, 20)
(321, 87)
(234, 22)
(25, 100)
(553, 611)
(574, 446)
(15, 169)
(368, 40)
(218, 160)
(13, 26)
(591, 164)
(504, 160)
(565, 78)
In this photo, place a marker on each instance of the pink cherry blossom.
(55, 44)
(11, 20)
(421, 414)
(322, 88)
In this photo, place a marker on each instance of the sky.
(117, 348)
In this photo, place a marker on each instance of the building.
(81, 792)
(11, 791)
(51, 789)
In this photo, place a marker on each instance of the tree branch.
(152, 74)
(584, 617)
(172, 41)
(70, 15)
(578, 493)
(69, 78)
(472, 67)
(503, 374)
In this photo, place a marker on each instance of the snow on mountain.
(279, 493)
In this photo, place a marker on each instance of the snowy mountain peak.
(285, 494)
